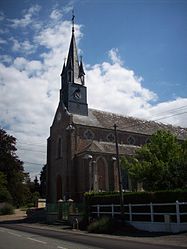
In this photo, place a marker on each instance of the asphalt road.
(18, 236)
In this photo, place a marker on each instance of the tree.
(12, 168)
(43, 184)
(36, 185)
(5, 195)
(161, 164)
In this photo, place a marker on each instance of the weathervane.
(73, 17)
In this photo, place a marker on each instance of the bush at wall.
(7, 209)
(136, 197)
(102, 225)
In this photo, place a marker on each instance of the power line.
(32, 150)
(33, 163)
(176, 114)
(40, 145)
(172, 110)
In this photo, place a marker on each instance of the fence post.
(178, 212)
(152, 212)
(130, 212)
(112, 205)
(98, 210)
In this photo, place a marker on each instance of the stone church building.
(81, 152)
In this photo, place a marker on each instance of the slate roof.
(104, 147)
(106, 120)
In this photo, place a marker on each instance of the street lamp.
(91, 165)
(119, 173)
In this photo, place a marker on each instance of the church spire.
(73, 93)
(72, 66)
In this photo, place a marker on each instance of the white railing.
(113, 209)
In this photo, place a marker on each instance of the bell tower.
(73, 92)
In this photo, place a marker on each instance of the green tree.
(5, 195)
(12, 168)
(36, 185)
(43, 184)
(161, 164)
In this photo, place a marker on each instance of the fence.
(152, 212)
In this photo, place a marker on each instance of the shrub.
(5, 195)
(7, 209)
(103, 225)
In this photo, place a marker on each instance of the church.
(81, 148)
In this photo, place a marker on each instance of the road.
(19, 236)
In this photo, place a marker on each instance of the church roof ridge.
(106, 119)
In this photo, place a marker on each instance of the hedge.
(136, 197)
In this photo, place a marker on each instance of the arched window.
(102, 174)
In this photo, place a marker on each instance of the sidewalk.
(179, 240)
(18, 215)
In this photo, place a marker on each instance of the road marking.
(60, 247)
(15, 234)
(36, 240)
(2, 230)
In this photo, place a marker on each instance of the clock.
(77, 94)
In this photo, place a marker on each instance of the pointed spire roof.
(81, 69)
(72, 60)
(63, 69)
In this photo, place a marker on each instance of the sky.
(134, 54)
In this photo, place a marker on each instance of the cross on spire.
(72, 19)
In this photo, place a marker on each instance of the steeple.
(73, 92)
(72, 66)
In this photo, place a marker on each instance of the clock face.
(77, 94)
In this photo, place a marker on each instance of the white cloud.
(114, 88)
(2, 16)
(114, 56)
(22, 47)
(5, 58)
(68, 7)
(27, 18)
(170, 112)
(56, 14)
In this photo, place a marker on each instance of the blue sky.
(134, 53)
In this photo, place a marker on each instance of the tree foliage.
(5, 195)
(11, 168)
(43, 183)
(161, 164)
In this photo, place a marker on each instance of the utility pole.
(119, 173)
